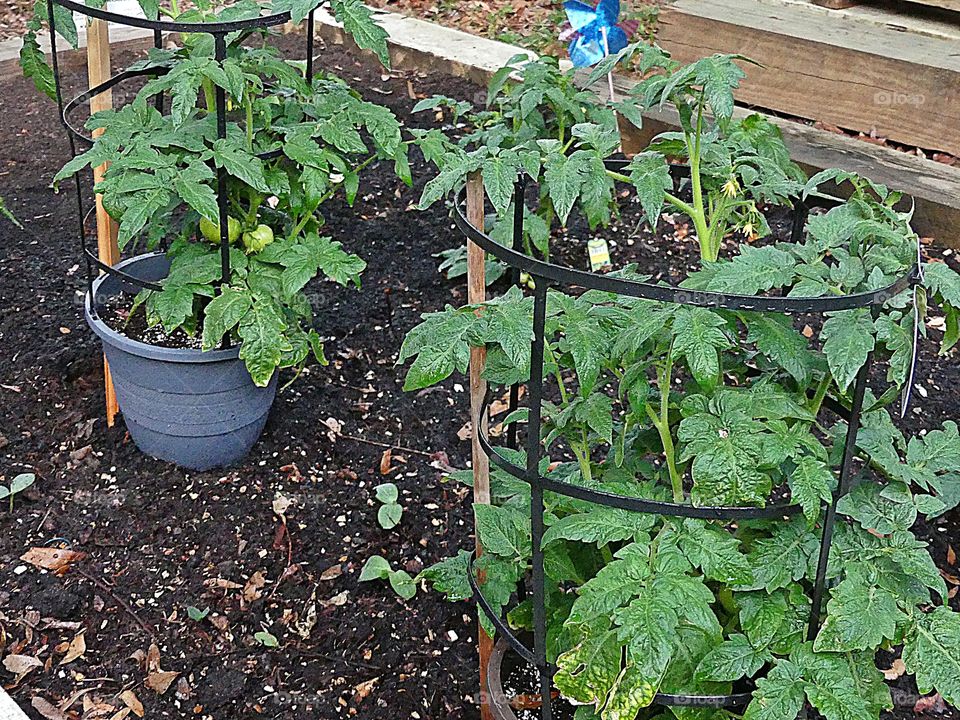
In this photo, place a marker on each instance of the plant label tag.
(599, 253)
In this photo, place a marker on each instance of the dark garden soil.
(158, 540)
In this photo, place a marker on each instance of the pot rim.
(127, 344)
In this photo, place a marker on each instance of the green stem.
(820, 394)
(707, 249)
(249, 108)
(679, 204)
(661, 421)
(209, 96)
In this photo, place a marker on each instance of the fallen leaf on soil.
(20, 665)
(897, 668)
(332, 572)
(220, 622)
(251, 591)
(280, 506)
(338, 600)
(153, 658)
(222, 584)
(304, 626)
(78, 646)
(466, 432)
(951, 555)
(807, 331)
(160, 682)
(931, 703)
(362, 690)
(53, 559)
(120, 714)
(385, 461)
(132, 702)
(51, 712)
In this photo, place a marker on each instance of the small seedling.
(378, 568)
(20, 483)
(196, 614)
(390, 511)
(266, 639)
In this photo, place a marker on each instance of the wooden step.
(835, 67)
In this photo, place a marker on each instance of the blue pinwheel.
(595, 31)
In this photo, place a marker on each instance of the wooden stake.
(477, 293)
(98, 71)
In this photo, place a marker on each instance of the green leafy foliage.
(163, 176)
(702, 406)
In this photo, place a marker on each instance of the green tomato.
(211, 230)
(256, 240)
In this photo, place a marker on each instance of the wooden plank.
(842, 72)
(98, 71)
(9, 710)
(951, 5)
(477, 293)
(415, 44)
(836, 4)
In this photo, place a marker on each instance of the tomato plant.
(290, 146)
(712, 407)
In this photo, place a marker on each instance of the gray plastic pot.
(197, 409)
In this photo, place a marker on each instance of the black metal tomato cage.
(545, 274)
(75, 133)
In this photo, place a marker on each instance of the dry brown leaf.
(120, 714)
(153, 658)
(332, 572)
(897, 668)
(51, 712)
(466, 432)
(220, 622)
(807, 331)
(251, 591)
(338, 600)
(222, 584)
(54, 559)
(362, 690)
(133, 702)
(76, 649)
(160, 682)
(20, 665)
(951, 555)
(386, 461)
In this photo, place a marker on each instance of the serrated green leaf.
(811, 485)
(860, 616)
(650, 175)
(776, 338)
(932, 653)
(779, 695)
(358, 21)
(601, 525)
(563, 182)
(503, 531)
(449, 576)
(733, 659)
(848, 340)
(261, 331)
(699, 339)
(223, 313)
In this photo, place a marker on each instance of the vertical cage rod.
(534, 402)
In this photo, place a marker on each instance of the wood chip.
(364, 689)
(332, 572)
